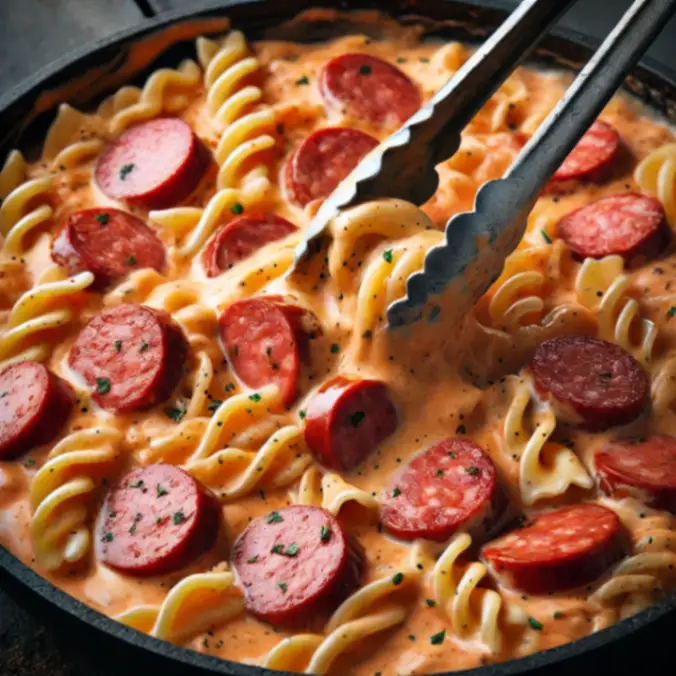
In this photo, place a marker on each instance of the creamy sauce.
(433, 393)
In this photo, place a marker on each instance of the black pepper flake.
(460, 429)
(365, 70)
(356, 418)
(303, 80)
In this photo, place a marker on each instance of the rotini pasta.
(656, 176)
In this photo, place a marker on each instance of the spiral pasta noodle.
(331, 492)
(61, 490)
(656, 176)
(539, 479)
(601, 285)
(67, 144)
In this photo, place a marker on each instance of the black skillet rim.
(17, 574)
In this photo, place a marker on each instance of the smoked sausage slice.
(107, 242)
(296, 564)
(242, 237)
(132, 355)
(630, 225)
(34, 404)
(155, 520)
(323, 160)
(155, 164)
(591, 158)
(347, 419)
(449, 486)
(560, 550)
(645, 470)
(595, 384)
(369, 88)
(265, 340)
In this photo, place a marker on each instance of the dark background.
(33, 33)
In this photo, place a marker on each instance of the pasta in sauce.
(252, 425)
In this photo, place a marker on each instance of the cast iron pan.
(95, 70)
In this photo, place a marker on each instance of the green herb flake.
(303, 80)
(178, 518)
(545, 236)
(237, 209)
(365, 70)
(398, 579)
(174, 413)
(424, 59)
(473, 471)
(144, 347)
(292, 550)
(118, 345)
(102, 385)
(137, 517)
(213, 406)
(108, 537)
(439, 472)
(137, 484)
(534, 624)
(325, 534)
(283, 586)
(396, 492)
(30, 462)
(102, 218)
(274, 517)
(301, 414)
(131, 260)
(255, 397)
(277, 549)
(126, 170)
(430, 603)
(438, 639)
(460, 429)
(356, 418)
(671, 312)
(335, 348)
(161, 490)
(253, 559)
(401, 59)
(388, 256)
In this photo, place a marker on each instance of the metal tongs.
(477, 242)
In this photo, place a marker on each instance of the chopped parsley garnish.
(396, 492)
(387, 256)
(255, 397)
(430, 603)
(102, 218)
(277, 549)
(292, 550)
(283, 586)
(335, 348)
(325, 534)
(535, 624)
(175, 414)
(30, 462)
(102, 385)
(230, 387)
(161, 490)
(213, 406)
(108, 537)
(237, 209)
(398, 579)
(545, 236)
(144, 347)
(473, 471)
(118, 345)
(365, 70)
(424, 59)
(439, 472)
(460, 429)
(302, 413)
(178, 518)
(253, 559)
(131, 260)
(401, 59)
(303, 80)
(137, 484)
(356, 418)
(671, 312)
(274, 517)
(452, 455)
(126, 170)
(437, 639)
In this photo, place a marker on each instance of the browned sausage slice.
(560, 550)
(347, 419)
(155, 164)
(132, 356)
(369, 88)
(596, 384)
(632, 226)
(109, 243)
(449, 486)
(592, 157)
(155, 520)
(34, 404)
(645, 470)
(242, 237)
(323, 160)
(265, 340)
(296, 564)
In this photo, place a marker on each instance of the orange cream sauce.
(434, 397)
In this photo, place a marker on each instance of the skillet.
(89, 73)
